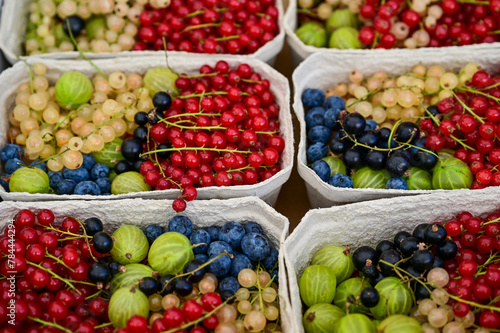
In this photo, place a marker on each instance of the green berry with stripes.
(368, 178)
(355, 323)
(31, 180)
(336, 165)
(129, 182)
(317, 285)
(170, 252)
(451, 174)
(321, 318)
(395, 298)
(72, 90)
(336, 257)
(131, 275)
(398, 324)
(130, 245)
(125, 303)
(110, 154)
(419, 179)
(348, 293)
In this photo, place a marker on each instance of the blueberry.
(88, 161)
(371, 124)
(74, 24)
(99, 170)
(332, 119)
(202, 238)
(54, 178)
(66, 186)
(335, 102)
(219, 247)
(181, 224)
(162, 101)
(152, 232)
(396, 184)
(201, 257)
(87, 187)
(229, 283)
(322, 169)
(341, 180)
(313, 97)
(316, 151)
(253, 227)
(255, 246)
(41, 166)
(275, 276)
(213, 231)
(232, 233)
(78, 175)
(271, 260)
(238, 263)
(315, 117)
(319, 134)
(221, 266)
(13, 164)
(10, 151)
(5, 185)
(104, 184)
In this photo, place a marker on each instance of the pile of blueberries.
(90, 178)
(360, 142)
(246, 243)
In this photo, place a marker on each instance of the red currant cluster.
(446, 23)
(471, 126)
(52, 289)
(475, 272)
(209, 26)
(221, 131)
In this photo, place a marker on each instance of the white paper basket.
(267, 190)
(325, 70)
(367, 223)
(15, 19)
(202, 213)
(300, 51)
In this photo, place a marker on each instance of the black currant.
(384, 246)
(391, 257)
(408, 246)
(354, 123)
(92, 226)
(337, 146)
(369, 138)
(182, 286)
(165, 287)
(397, 164)
(122, 166)
(131, 149)
(137, 165)
(438, 262)
(149, 285)
(102, 242)
(421, 292)
(362, 254)
(400, 236)
(419, 232)
(114, 267)
(422, 260)
(153, 118)
(434, 234)
(370, 271)
(376, 159)
(433, 109)
(369, 297)
(424, 159)
(141, 134)
(193, 265)
(447, 249)
(163, 154)
(141, 118)
(353, 158)
(73, 23)
(407, 132)
(99, 272)
(162, 101)
(227, 295)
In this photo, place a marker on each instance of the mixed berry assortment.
(131, 133)
(426, 129)
(441, 277)
(73, 276)
(235, 27)
(372, 24)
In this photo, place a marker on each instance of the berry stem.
(93, 295)
(52, 228)
(221, 39)
(467, 108)
(47, 254)
(204, 94)
(86, 236)
(460, 142)
(196, 149)
(195, 76)
(103, 325)
(474, 2)
(196, 13)
(200, 26)
(47, 323)
(306, 12)
(481, 93)
(68, 282)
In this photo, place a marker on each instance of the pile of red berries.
(446, 23)
(222, 130)
(471, 125)
(475, 272)
(209, 26)
(51, 287)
